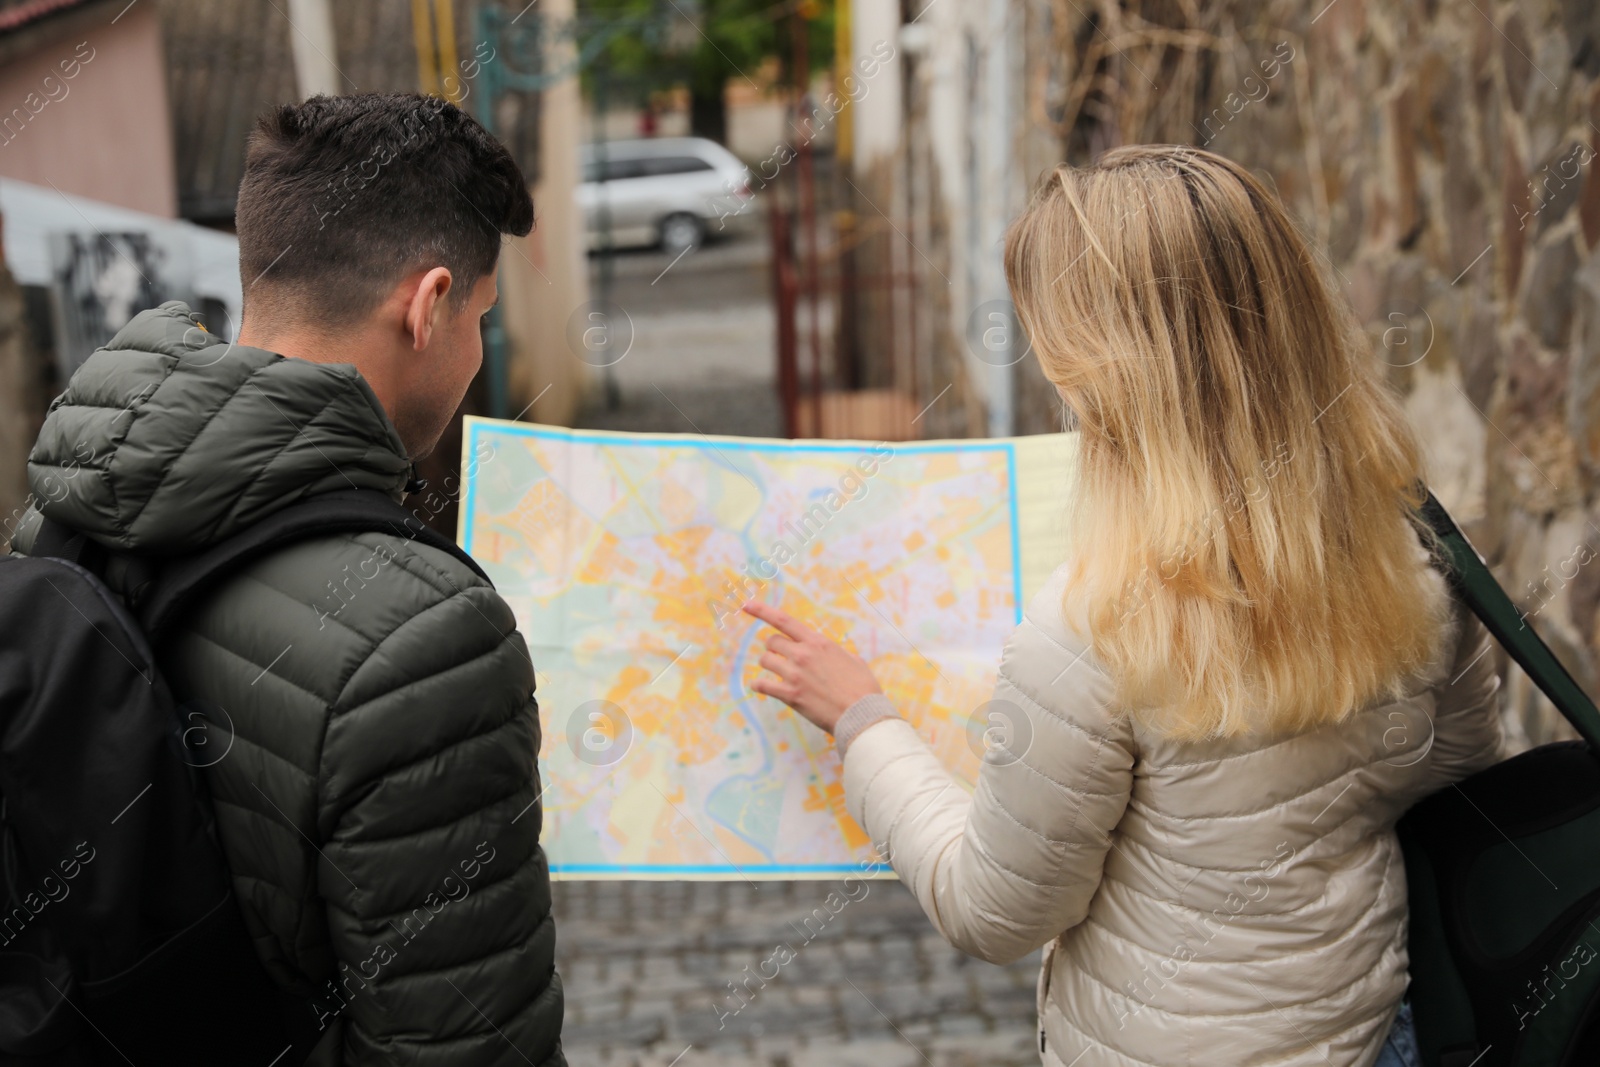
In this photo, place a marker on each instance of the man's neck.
(314, 346)
(295, 344)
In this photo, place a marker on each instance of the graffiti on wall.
(101, 281)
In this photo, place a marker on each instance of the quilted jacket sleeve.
(1467, 736)
(1015, 864)
(436, 890)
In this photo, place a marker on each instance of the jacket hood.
(169, 439)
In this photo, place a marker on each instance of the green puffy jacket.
(379, 801)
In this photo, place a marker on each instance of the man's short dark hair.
(345, 195)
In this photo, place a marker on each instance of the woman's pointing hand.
(811, 673)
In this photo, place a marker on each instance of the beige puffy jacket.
(1231, 902)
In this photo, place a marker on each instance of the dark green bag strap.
(1475, 585)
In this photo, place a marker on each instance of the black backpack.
(1503, 872)
(120, 940)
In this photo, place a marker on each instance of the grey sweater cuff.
(870, 709)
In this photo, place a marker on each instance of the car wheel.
(680, 232)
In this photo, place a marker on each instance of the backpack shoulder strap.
(346, 511)
(1475, 584)
(62, 542)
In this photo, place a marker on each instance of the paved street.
(701, 358)
(659, 970)
(656, 972)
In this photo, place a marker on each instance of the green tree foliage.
(699, 44)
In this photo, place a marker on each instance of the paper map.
(625, 558)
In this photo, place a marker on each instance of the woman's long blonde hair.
(1239, 527)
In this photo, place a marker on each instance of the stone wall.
(1439, 154)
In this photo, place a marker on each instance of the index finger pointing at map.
(778, 619)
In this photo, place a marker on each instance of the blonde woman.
(1240, 680)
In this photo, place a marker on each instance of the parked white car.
(670, 191)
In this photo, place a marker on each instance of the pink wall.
(98, 126)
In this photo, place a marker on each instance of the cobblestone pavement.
(695, 974)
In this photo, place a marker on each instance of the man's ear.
(427, 304)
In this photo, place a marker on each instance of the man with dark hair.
(366, 698)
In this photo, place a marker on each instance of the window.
(675, 165)
(615, 170)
